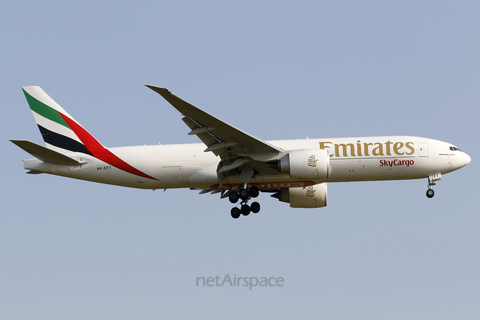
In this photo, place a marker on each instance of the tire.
(430, 193)
(244, 194)
(254, 192)
(233, 197)
(235, 212)
(245, 210)
(255, 207)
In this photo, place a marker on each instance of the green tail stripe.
(44, 110)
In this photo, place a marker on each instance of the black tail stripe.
(61, 141)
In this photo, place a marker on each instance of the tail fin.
(59, 130)
(62, 133)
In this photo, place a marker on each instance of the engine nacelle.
(309, 197)
(306, 164)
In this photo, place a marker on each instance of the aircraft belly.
(265, 182)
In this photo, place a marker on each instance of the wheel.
(245, 210)
(233, 197)
(255, 207)
(430, 193)
(244, 194)
(235, 213)
(254, 192)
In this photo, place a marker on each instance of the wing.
(220, 138)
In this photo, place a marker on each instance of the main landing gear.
(244, 194)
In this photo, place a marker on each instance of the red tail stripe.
(99, 151)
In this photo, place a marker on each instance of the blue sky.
(277, 70)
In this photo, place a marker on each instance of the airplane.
(231, 162)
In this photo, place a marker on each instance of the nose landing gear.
(244, 194)
(431, 183)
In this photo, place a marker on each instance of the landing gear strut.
(244, 194)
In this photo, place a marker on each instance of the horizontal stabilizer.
(46, 154)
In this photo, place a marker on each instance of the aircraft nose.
(467, 159)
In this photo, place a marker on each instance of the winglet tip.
(157, 89)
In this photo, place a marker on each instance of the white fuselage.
(188, 166)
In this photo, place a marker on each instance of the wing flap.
(204, 135)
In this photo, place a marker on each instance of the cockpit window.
(454, 149)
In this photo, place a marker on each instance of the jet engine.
(305, 164)
(309, 197)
